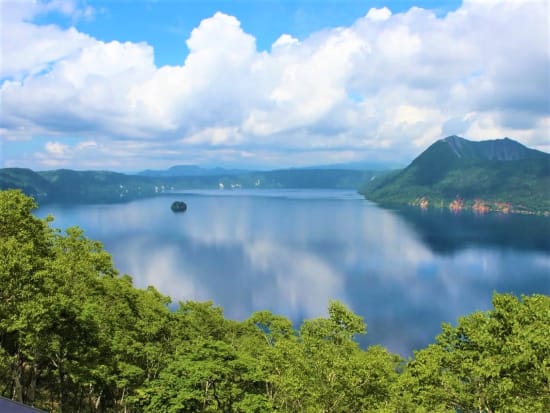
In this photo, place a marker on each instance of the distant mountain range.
(194, 170)
(495, 175)
(68, 186)
(65, 185)
(500, 174)
(191, 170)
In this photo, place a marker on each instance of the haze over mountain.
(68, 186)
(358, 166)
(499, 174)
(195, 170)
(191, 170)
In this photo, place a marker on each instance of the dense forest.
(76, 336)
(95, 187)
(494, 175)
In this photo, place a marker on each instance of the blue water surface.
(291, 251)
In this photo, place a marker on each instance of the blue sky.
(165, 24)
(128, 84)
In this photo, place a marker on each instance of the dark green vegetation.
(490, 175)
(77, 336)
(179, 206)
(67, 186)
(498, 175)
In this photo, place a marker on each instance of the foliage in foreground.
(76, 336)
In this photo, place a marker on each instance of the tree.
(322, 368)
(210, 369)
(75, 336)
(24, 251)
(491, 361)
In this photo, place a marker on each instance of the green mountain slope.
(68, 186)
(499, 174)
(96, 186)
(30, 182)
(308, 178)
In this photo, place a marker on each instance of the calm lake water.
(291, 251)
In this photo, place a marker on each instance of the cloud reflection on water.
(291, 255)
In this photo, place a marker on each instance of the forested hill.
(68, 186)
(75, 336)
(191, 170)
(489, 175)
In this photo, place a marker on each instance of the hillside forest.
(77, 336)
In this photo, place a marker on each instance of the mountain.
(491, 150)
(69, 186)
(309, 178)
(28, 181)
(357, 166)
(190, 170)
(499, 174)
(194, 170)
(97, 186)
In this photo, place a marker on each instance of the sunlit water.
(291, 252)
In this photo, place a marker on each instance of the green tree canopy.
(75, 336)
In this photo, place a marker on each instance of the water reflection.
(290, 252)
(446, 232)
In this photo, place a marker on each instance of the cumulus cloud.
(381, 14)
(386, 86)
(285, 40)
(56, 148)
(28, 49)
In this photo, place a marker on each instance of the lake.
(291, 251)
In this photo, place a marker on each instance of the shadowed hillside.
(454, 172)
(68, 186)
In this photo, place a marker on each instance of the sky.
(129, 85)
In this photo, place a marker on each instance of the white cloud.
(307, 83)
(56, 148)
(215, 136)
(381, 14)
(389, 84)
(25, 10)
(28, 49)
(214, 87)
(285, 40)
(398, 43)
(86, 145)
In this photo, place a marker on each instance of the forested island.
(178, 206)
(75, 335)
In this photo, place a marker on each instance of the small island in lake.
(179, 206)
